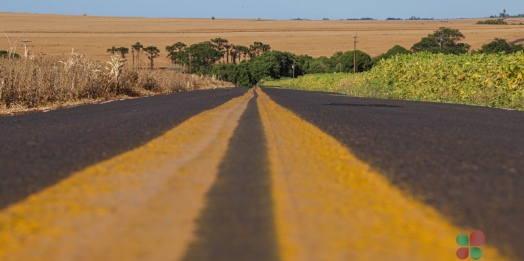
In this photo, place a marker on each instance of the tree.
(137, 47)
(258, 48)
(500, 46)
(243, 50)
(227, 47)
(444, 40)
(200, 57)
(123, 51)
(274, 64)
(152, 53)
(174, 49)
(236, 52)
(220, 44)
(112, 50)
(395, 50)
(345, 62)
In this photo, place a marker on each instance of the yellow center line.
(329, 205)
(139, 205)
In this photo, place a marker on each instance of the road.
(260, 174)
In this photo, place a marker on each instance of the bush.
(395, 50)
(492, 21)
(500, 46)
(5, 54)
(343, 62)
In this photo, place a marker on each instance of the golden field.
(55, 35)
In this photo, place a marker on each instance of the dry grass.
(29, 85)
(55, 35)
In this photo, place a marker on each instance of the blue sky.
(270, 9)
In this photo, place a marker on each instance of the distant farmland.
(55, 35)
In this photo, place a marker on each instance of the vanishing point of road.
(261, 174)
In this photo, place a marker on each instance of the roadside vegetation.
(439, 68)
(36, 84)
(494, 80)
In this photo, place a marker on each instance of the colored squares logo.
(470, 246)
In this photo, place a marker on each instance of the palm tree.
(152, 53)
(137, 47)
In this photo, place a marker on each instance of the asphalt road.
(40, 149)
(464, 163)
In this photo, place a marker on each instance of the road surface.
(261, 174)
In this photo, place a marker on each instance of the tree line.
(198, 57)
(247, 65)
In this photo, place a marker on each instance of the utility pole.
(355, 53)
(26, 54)
(293, 66)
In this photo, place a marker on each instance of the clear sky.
(270, 9)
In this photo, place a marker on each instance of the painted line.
(238, 220)
(329, 205)
(140, 205)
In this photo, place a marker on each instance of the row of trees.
(152, 52)
(246, 65)
(197, 57)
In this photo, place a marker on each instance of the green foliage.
(152, 53)
(122, 50)
(319, 65)
(258, 48)
(5, 54)
(200, 56)
(343, 62)
(111, 50)
(445, 40)
(173, 50)
(137, 47)
(395, 50)
(500, 46)
(326, 82)
(273, 64)
(493, 21)
(494, 80)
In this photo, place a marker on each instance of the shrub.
(493, 21)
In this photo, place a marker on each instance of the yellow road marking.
(331, 206)
(139, 205)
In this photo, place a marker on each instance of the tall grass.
(29, 84)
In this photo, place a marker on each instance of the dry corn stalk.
(115, 67)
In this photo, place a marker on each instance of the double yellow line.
(142, 205)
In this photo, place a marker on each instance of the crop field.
(55, 35)
(493, 80)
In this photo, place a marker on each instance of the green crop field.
(494, 80)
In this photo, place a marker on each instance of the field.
(493, 80)
(55, 35)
